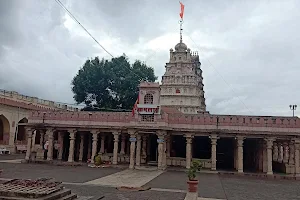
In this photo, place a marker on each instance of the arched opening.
(4, 130)
(148, 99)
(21, 133)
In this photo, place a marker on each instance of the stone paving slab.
(113, 194)
(79, 174)
(209, 186)
(255, 189)
(129, 178)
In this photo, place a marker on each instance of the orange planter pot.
(193, 185)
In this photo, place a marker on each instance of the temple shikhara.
(169, 126)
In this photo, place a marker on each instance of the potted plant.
(193, 182)
(97, 160)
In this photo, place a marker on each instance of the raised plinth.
(43, 189)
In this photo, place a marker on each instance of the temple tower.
(182, 83)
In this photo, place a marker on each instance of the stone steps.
(57, 195)
(64, 194)
(69, 197)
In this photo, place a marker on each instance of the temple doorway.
(178, 146)
(201, 147)
(225, 153)
(66, 145)
(21, 133)
(251, 155)
(152, 149)
(4, 130)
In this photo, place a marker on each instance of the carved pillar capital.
(116, 135)
(132, 132)
(269, 142)
(29, 132)
(189, 138)
(161, 134)
(72, 133)
(240, 141)
(214, 138)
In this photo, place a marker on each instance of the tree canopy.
(110, 84)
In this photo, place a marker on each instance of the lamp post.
(293, 108)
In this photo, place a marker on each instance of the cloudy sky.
(248, 49)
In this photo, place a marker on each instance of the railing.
(35, 100)
(175, 119)
(235, 120)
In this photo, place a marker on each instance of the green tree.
(110, 84)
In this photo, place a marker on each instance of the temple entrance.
(178, 146)
(251, 155)
(225, 153)
(21, 133)
(201, 147)
(152, 149)
(66, 146)
(86, 141)
(4, 130)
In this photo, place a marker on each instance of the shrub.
(195, 166)
(97, 160)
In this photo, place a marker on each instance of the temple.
(170, 126)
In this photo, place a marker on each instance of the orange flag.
(181, 10)
(135, 105)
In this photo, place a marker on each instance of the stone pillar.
(132, 149)
(297, 157)
(160, 154)
(61, 145)
(123, 142)
(81, 147)
(269, 143)
(280, 152)
(138, 150)
(29, 137)
(33, 141)
(240, 152)
(213, 139)
(292, 153)
(275, 151)
(42, 133)
(285, 152)
(144, 146)
(94, 145)
(102, 149)
(72, 144)
(116, 146)
(161, 140)
(164, 161)
(188, 150)
(50, 146)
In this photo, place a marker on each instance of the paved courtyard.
(95, 182)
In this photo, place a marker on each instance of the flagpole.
(181, 19)
(181, 22)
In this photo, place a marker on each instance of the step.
(90, 198)
(69, 197)
(152, 163)
(12, 198)
(57, 195)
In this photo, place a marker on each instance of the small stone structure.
(34, 189)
